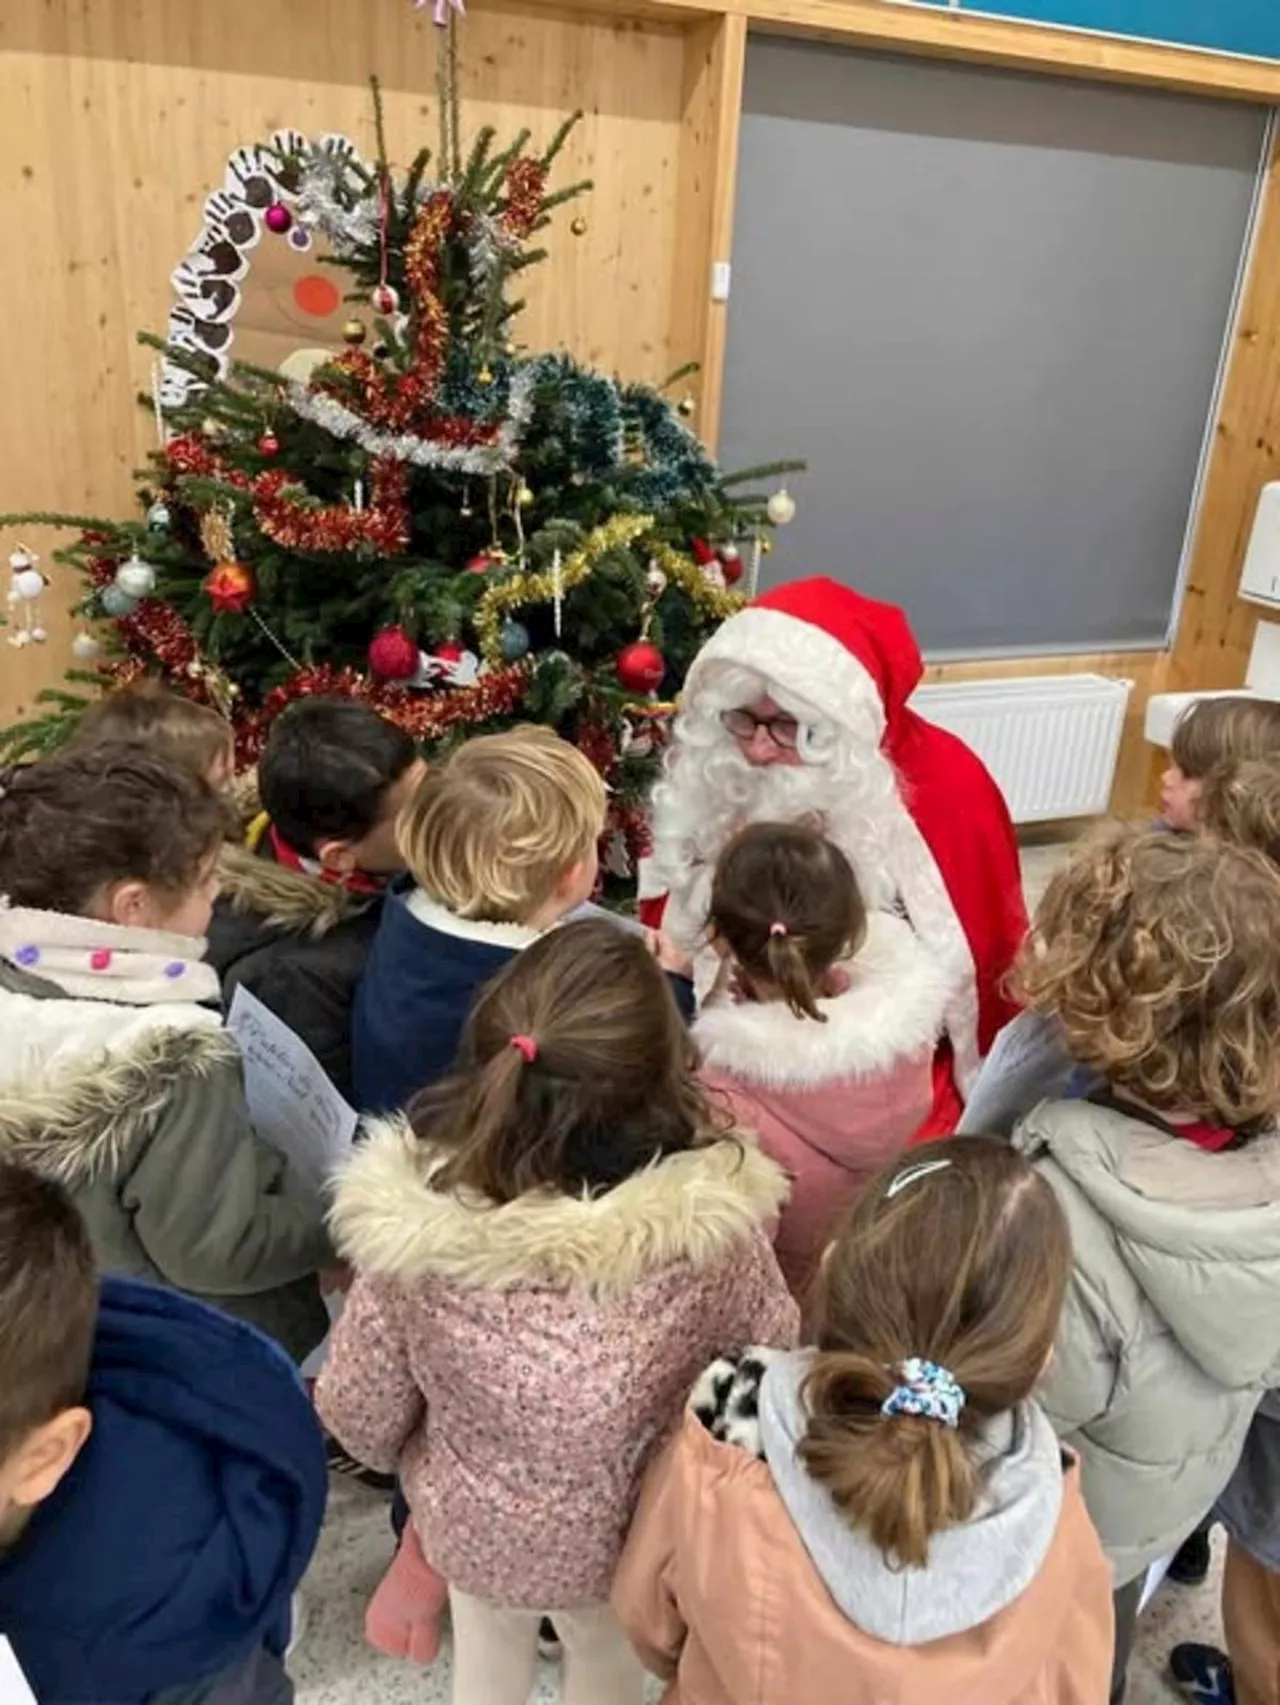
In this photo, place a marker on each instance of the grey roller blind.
(989, 309)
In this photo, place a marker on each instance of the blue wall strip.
(1227, 26)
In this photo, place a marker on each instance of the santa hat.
(852, 658)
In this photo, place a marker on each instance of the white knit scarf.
(106, 962)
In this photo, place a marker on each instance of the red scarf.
(1215, 1138)
(353, 881)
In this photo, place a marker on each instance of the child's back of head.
(1157, 955)
(1241, 805)
(785, 905)
(936, 1312)
(505, 830)
(334, 778)
(1213, 733)
(166, 725)
(48, 1306)
(575, 1072)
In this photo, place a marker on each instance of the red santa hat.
(855, 661)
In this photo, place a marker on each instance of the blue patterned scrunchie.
(927, 1391)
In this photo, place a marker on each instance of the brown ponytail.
(958, 1254)
(785, 902)
(576, 1071)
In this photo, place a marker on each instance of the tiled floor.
(333, 1666)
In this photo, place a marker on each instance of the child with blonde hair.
(1157, 955)
(148, 714)
(887, 1514)
(546, 1252)
(500, 841)
(1214, 733)
(117, 1078)
(824, 1043)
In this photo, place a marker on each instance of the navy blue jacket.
(172, 1547)
(420, 982)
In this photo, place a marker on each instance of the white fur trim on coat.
(438, 917)
(805, 661)
(892, 1010)
(696, 1206)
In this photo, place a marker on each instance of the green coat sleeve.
(214, 1206)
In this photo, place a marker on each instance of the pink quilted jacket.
(833, 1102)
(519, 1365)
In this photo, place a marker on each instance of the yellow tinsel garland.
(618, 533)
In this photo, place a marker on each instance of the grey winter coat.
(140, 1112)
(1171, 1332)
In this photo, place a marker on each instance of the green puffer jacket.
(140, 1112)
(1171, 1333)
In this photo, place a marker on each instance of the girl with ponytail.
(888, 1515)
(823, 1034)
(547, 1249)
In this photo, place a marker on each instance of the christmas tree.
(457, 532)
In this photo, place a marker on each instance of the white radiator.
(1050, 741)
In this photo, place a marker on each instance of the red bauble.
(385, 300)
(230, 588)
(703, 554)
(268, 444)
(481, 563)
(731, 565)
(393, 656)
(278, 218)
(449, 651)
(641, 667)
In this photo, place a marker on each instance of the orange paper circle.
(317, 296)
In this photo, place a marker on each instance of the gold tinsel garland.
(618, 533)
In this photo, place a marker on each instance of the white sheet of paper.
(291, 1101)
(15, 1689)
(1155, 1575)
(1028, 1063)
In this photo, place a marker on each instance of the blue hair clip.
(927, 1391)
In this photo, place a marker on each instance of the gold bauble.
(354, 332)
(766, 546)
(579, 226)
(524, 497)
(484, 377)
(686, 406)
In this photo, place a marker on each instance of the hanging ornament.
(509, 350)
(781, 508)
(300, 239)
(448, 651)
(26, 583)
(393, 656)
(481, 563)
(484, 376)
(158, 517)
(557, 589)
(524, 496)
(655, 581)
(466, 510)
(731, 564)
(268, 444)
(216, 535)
(578, 226)
(641, 667)
(687, 406)
(278, 218)
(513, 640)
(136, 577)
(85, 646)
(354, 332)
(230, 588)
(116, 601)
(385, 299)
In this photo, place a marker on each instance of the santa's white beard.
(710, 791)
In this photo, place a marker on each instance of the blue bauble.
(513, 640)
(117, 602)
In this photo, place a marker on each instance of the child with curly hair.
(1157, 954)
(1214, 734)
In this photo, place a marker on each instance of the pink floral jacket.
(519, 1364)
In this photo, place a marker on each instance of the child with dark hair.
(887, 1515)
(162, 1480)
(117, 1078)
(1157, 955)
(300, 904)
(824, 1042)
(544, 1259)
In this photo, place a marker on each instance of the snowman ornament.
(26, 587)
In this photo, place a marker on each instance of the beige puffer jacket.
(1171, 1333)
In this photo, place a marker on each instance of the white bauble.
(136, 577)
(28, 583)
(38, 636)
(85, 647)
(781, 507)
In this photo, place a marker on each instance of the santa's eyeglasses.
(784, 731)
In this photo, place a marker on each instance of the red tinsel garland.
(526, 184)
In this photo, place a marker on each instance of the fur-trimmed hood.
(892, 1010)
(254, 886)
(389, 1220)
(82, 1081)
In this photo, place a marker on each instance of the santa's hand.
(668, 955)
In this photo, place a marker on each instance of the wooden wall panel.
(116, 119)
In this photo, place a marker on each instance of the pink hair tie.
(527, 1047)
(777, 929)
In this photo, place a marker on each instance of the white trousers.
(495, 1655)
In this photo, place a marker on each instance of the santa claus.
(797, 705)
